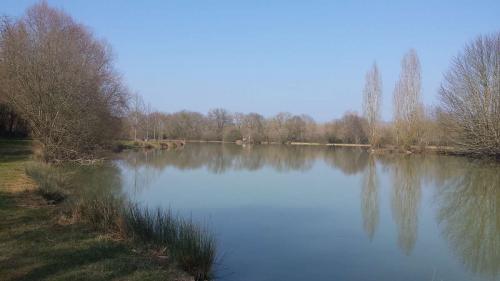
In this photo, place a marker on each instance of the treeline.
(58, 83)
(222, 125)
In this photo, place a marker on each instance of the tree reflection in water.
(369, 198)
(405, 201)
(467, 197)
(469, 216)
(218, 158)
(406, 171)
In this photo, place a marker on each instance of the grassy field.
(35, 244)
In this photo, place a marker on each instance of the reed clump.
(50, 182)
(103, 213)
(193, 247)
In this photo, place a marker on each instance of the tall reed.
(193, 247)
(50, 181)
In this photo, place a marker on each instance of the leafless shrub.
(61, 80)
(470, 95)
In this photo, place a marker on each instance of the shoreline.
(385, 148)
(415, 149)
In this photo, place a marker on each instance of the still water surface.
(318, 213)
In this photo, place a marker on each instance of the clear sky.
(270, 56)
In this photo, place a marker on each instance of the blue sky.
(270, 56)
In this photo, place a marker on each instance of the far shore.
(385, 147)
(382, 149)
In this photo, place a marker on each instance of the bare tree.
(372, 100)
(147, 120)
(219, 118)
(470, 95)
(156, 121)
(184, 125)
(296, 128)
(407, 104)
(351, 128)
(252, 128)
(311, 133)
(136, 113)
(276, 129)
(238, 120)
(61, 80)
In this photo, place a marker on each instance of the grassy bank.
(99, 204)
(97, 238)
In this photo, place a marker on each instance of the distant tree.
(252, 128)
(238, 119)
(407, 100)
(310, 133)
(219, 118)
(296, 127)
(185, 125)
(351, 128)
(372, 100)
(470, 95)
(148, 120)
(433, 127)
(157, 124)
(232, 134)
(276, 129)
(61, 80)
(136, 113)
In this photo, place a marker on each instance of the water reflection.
(218, 158)
(369, 198)
(467, 199)
(469, 216)
(405, 200)
(466, 194)
(94, 179)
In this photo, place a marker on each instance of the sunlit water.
(318, 213)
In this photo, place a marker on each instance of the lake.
(323, 213)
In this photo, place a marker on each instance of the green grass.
(13, 156)
(36, 244)
(34, 247)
